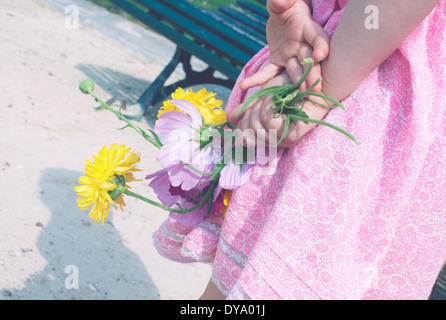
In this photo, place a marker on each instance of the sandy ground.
(48, 129)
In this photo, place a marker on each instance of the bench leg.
(157, 91)
(198, 77)
(195, 77)
(153, 92)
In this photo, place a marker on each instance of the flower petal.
(234, 175)
(189, 108)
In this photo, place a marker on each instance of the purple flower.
(170, 195)
(233, 175)
(185, 141)
(180, 135)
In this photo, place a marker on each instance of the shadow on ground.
(114, 82)
(105, 267)
(125, 86)
(122, 86)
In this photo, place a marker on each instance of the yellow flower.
(226, 200)
(109, 169)
(205, 102)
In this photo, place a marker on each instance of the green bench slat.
(199, 32)
(256, 40)
(254, 8)
(250, 19)
(238, 57)
(218, 24)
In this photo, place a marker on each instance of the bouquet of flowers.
(201, 154)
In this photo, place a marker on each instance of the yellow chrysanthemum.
(108, 168)
(209, 107)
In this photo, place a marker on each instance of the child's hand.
(258, 117)
(292, 36)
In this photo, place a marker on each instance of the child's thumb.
(279, 6)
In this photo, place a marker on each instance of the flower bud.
(86, 86)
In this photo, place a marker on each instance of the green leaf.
(320, 104)
(300, 115)
(259, 94)
(155, 136)
(217, 169)
(123, 127)
(286, 128)
(329, 125)
(210, 206)
(327, 98)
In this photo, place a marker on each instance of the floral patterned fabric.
(329, 219)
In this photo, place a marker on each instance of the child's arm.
(355, 52)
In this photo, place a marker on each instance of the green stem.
(328, 125)
(327, 98)
(230, 125)
(221, 125)
(129, 123)
(159, 205)
(301, 95)
(196, 170)
(208, 195)
(218, 125)
(310, 63)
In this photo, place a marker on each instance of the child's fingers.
(269, 122)
(252, 125)
(233, 116)
(248, 133)
(313, 76)
(318, 38)
(294, 67)
(279, 6)
(321, 50)
(261, 77)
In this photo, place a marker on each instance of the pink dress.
(333, 220)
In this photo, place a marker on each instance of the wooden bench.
(225, 39)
